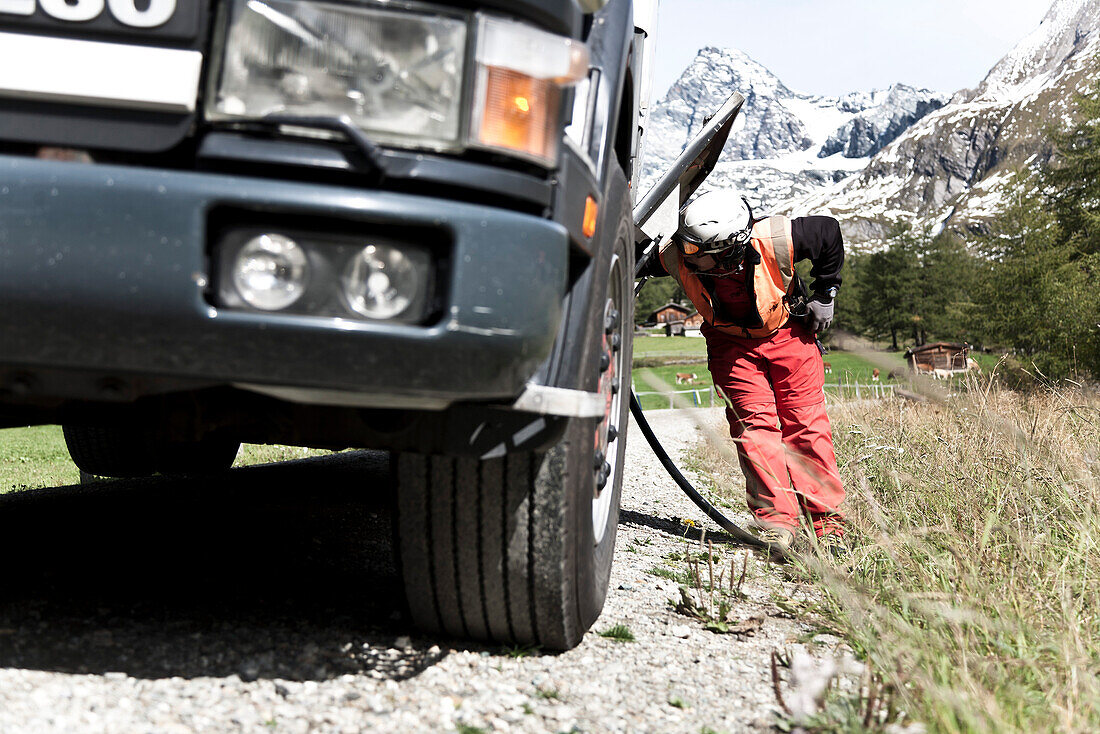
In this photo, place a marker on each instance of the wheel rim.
(612, 372)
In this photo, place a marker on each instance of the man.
(761, 333)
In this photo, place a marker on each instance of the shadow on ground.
(675, 527)
(280, 571)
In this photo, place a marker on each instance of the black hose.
(710, 510)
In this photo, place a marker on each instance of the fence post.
(857, 390)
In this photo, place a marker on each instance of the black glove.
(819, 314)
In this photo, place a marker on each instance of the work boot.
(779, 541)
(832, 545)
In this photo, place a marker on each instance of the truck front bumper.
(104, 272)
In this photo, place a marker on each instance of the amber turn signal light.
(520, 113)
(591, 211)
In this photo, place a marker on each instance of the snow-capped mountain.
(788, 144)
(883, 117)
(950, 167)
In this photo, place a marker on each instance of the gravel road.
(162, 606)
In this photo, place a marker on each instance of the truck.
(384, 224)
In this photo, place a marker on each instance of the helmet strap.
(752, 220)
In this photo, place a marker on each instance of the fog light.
(271, 272)
(381, 282)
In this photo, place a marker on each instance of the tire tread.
(508, 538)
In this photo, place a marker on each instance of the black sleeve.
(654, 268)
(818, 240)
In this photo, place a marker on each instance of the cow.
(874, 374)
(828, 368)
(686, 378)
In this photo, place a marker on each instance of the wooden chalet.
(668, 314)
(940, 359)
(694, 320)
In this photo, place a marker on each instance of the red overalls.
(776, 411)
(773, 385)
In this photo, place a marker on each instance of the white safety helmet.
(714, 222)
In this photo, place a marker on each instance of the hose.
(710, 510)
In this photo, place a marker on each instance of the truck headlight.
(382, 281)
(396, 74)
(271, 272)
(521, 72)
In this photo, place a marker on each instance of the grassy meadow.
(657, 360)
(36, 457)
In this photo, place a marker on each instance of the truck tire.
(208, 455)
(109, 450)
(518, 549)
(125, 450)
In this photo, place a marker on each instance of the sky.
(837, 46)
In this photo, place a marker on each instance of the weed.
(709, 596)
(548, 694)
(521, 651)
(468, 729)
(619, 633)
(677, 702)
(666, 573)
(872, 707)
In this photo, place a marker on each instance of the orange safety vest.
(771, 281)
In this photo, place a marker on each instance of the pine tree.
(1035, 295)
(947, 275)
(656, 293)
(889, 289)
(1073, 189)
(1036, 291)
(1073, 183)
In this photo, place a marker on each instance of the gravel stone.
(274, 642)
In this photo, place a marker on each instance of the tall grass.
(974, 584)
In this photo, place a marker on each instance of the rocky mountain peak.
(789, 143)
(880, 120)
(1063, 33)
(769, 127)
(949, 168)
